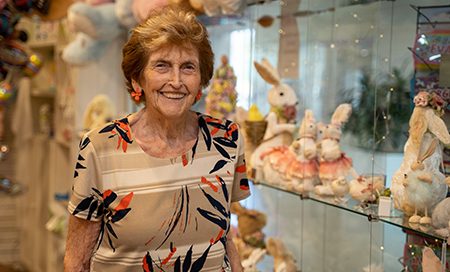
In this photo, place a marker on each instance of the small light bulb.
(356, 41)
(286, 70)
(355, 15)
(384, 137)
(293, 64)
(316, 47)
(372, 27)
(384, 117)
(381, 36)
(386, 60)
(332, 45)
(336, 25)
(392, 89)
(382, 248)
(305, 62)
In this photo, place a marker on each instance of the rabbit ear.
(342, 113)
(430, 150)
(267, 72)
(430, 262)
(437, 126)
(418, 125)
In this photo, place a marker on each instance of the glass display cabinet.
(332, 52)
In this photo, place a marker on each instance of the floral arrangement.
(433, 100)
(287, 113)
(222, 95)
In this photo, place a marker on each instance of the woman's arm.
(233, 255)
(81, 239)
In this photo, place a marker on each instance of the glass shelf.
(397, 218)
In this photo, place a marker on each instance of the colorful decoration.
(431, 86)
(6, 92)
(222, 96)
(13, 55)
(429, 47)
(33, 65)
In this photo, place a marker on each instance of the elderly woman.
(152, 191)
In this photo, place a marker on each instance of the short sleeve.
(241, 188)
(86, 200)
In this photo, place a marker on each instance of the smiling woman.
(157, 197)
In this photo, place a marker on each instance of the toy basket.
(255, 131)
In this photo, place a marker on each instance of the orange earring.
(136, 94)
(199, 95)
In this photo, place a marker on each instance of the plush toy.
(96, 26)
(363, 189)
(99, 112)
(425, 117)
(333, 162)
(284, 260)
(280, 127)
(440, 219)
(255, 257)
(249, 235)
(420, 187)
(277, 164)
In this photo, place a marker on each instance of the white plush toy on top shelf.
(333, 162)
(425, 117)
(283, 100)
(420, 187)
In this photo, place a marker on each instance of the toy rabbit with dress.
(284, 260)
(277, 162)
(424, 119)
(420, 187)
(333, 162)
(279, 129)
(305, 169)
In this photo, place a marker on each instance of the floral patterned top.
(160, 214)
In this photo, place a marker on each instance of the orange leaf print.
(124, 202)
(205, 181)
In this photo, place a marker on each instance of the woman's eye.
(188, 69)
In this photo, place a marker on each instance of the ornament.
(34, 64)
(13, 55)
(6, 92)
(11, 188)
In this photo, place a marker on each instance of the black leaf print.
(100, 236)
(219, 165)
(175, 220)
(198, 264)
(224, 188)
(108, 128)
(222, 151)
(80, 158)
(234, 135)
(97, 191)
(109, 199)
(194, 149)
(215, 204)
(119, 215)
(111, 136)
(74, 176)
(205, 132)
(110, 229)
(187, 260)
(110, 242)
(92, 209)
(226, 142)
(214, 218)
(124, 135)
(187, 209)
(85, 142)
(84, 204)
(99, 210)
(177, 265)
(79, 166)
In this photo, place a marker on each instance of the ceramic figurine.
(283, 100)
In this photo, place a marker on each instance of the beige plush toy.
(430, 262)
(284, 260)
(249, 235)
(99, 111)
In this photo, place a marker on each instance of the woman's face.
(171, 81)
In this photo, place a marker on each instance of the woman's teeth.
(173, 95)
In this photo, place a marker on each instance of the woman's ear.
(135, 85)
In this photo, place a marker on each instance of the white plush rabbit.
(420, 187)
(255, 257)
(423, 119)
(333, 162)
(305, 169)
(280, 96)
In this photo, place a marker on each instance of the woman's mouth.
(174, 95)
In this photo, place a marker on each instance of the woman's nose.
(175, 78)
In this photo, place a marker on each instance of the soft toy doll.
(426, 118)
(249, 235)
(333, 162)
(284, 260)
(99, 112)
(96, 27)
